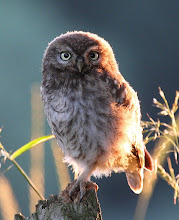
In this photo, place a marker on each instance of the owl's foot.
(81, 186)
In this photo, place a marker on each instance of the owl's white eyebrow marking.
(63, 48)
(92, 48)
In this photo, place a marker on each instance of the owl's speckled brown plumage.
(92, 110)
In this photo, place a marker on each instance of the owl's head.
(78, 53)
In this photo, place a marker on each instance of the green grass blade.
(28, 179)
(30, 145)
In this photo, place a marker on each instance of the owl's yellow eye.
(93, 56)
(65, 56)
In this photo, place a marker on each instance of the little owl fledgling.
(92, 110)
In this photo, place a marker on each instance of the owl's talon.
(90, 185)
(74, 190)
(82, 187)
(82, 191)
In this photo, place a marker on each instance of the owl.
(93, 111)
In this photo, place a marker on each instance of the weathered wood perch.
(63, 208)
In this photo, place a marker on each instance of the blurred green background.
(143, 35)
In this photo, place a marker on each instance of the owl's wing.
(124, 95)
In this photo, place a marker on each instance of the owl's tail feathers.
(135, 180)
(148, 161)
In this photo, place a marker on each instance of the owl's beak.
(80, 63)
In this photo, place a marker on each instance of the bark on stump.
(63, 208)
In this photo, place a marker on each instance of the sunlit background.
(143, 35)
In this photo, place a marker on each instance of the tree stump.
(63, 208)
